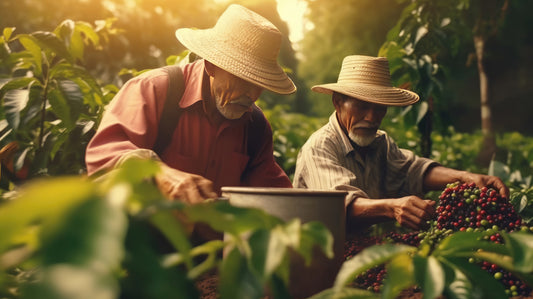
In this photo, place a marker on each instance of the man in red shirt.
(208, 148)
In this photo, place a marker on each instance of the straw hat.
(368, 78)
(244, 44)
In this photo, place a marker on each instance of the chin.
(362, 140)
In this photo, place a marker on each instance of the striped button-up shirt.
(329, 160)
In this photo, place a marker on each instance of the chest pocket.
(229, 170)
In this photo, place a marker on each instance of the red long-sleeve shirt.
(217, 152)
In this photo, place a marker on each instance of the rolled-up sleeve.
(405, 171)
(129, 125)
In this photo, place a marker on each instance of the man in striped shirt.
(351, 153)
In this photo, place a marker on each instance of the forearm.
(365, 211)
(437, 177)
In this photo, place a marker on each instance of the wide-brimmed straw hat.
(367, 78)
(244, 44)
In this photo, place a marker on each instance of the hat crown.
(254, 33)
(360, 69)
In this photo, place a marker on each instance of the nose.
(375, 114)
(254, 91)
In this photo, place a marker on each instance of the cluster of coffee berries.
(371, 280)
(464, 207)
(356, 244)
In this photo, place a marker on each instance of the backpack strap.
(172, 112)
(256, 128)
(171, 109)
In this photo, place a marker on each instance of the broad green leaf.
(466, 243)
(14, 102)
(65, 281)
(460, 287)
(521, 248)
(315, 234)
(367, 259)
(133, 171)
(46, 202)
(172, 229)
(400, 275)
(49, 41)
(146, 276)
(30, 43)
(345, 293)
(60, 107)
(267, 251)
(422, 111)
(482, 282)
(16, 83)
(278, 288)
(7, 33)
(224, 217)
(236, 280)
(429, 276)
(73, 96)
(88, 32)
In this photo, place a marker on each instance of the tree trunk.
(489, 140)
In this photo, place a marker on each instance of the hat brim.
(389, 96)
(267, 74)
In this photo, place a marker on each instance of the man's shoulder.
(325, 137)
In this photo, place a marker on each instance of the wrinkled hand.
(187, 187)
(412, 211)
(488, 181)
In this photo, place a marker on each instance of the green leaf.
(236, 279)
(224, 217)
(313, 234)
(429, 276)
(146, 276)
(460, 287)
(16, 83)
(64, 281)
(7, 33)
(521, 247)
(399, 276)
(268, 249)
(73, 96)
(30, 43)
(49, 41)
(46, 202)
(14, 102)
(482, 282)
(172, 229)
(60, 107)
(367, 259)
(465, 244)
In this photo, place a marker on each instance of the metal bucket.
(308, 205)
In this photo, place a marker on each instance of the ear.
(337, 100)
(210, 68)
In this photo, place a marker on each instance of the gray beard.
(361, 140)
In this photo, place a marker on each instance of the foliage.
(50, 104)
(340, 28)
(75, 237)
(290, 132)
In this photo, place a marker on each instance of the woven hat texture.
(367, 78)
(244, 44)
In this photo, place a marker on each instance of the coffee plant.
(74, 237)
(487, 223)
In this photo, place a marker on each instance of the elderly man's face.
(233, 95)
(360, 119)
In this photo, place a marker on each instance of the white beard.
(361, 140)
(230, 112)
